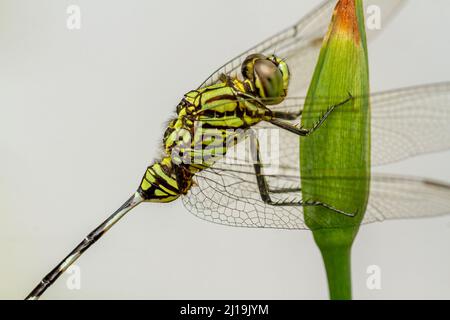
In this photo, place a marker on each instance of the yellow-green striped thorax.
(207, 121)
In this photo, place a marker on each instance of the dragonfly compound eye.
(268, 81)
(248, 65)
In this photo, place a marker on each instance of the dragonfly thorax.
(208, 121)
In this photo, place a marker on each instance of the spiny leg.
(286, 115)
(285, 190)
(265, 191)
(306, 132)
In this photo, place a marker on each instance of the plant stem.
(335, 246)
(337, 260)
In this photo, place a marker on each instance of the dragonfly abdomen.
(159, 183)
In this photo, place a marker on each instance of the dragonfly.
(263, 89)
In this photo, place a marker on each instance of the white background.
(82, 115)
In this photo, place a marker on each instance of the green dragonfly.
(259, 91)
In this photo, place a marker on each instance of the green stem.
(335, 246)
(337, 265)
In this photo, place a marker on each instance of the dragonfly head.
(268, 76)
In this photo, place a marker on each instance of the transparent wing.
(228, 194)
(410, 122)
(231, 197)
(405, 123)
(300, 44)
(394, 197)
(304, 34)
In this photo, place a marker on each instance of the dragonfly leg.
(287, 115)
(265, 191)
(306, 132)
(311, 203)
(285, 190)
